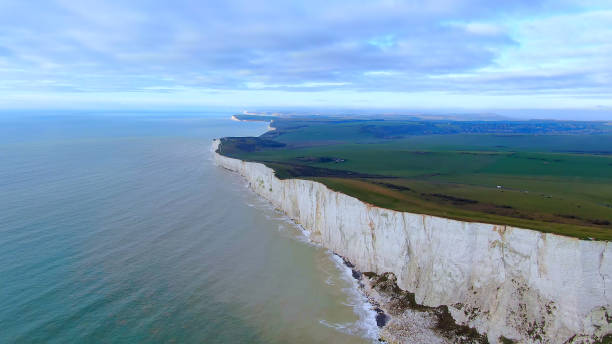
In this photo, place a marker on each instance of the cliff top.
(552, 176)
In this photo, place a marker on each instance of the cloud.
(362, 46)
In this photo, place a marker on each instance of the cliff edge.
(508, 282)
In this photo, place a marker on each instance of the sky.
(439, 54)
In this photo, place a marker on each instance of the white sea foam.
(366, 325)
(344, 328)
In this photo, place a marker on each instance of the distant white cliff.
(503, 281)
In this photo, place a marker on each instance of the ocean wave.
(366, 324)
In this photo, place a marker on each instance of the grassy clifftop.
(545, 175)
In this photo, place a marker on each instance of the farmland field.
(552, 176)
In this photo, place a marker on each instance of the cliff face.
(503, 281)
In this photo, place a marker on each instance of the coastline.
(549, 312)
(269, 128)
(366, 325)
(405, 327)
(401, 320)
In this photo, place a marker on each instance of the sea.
(117, 227)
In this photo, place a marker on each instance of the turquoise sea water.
(118, 228)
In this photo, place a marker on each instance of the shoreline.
(421, 332)
(551, 295)
(401, 320)
(269, 128)
(347, 273)
(415, 324)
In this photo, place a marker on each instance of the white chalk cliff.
(504, 281)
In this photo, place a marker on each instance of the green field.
(546, 175)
